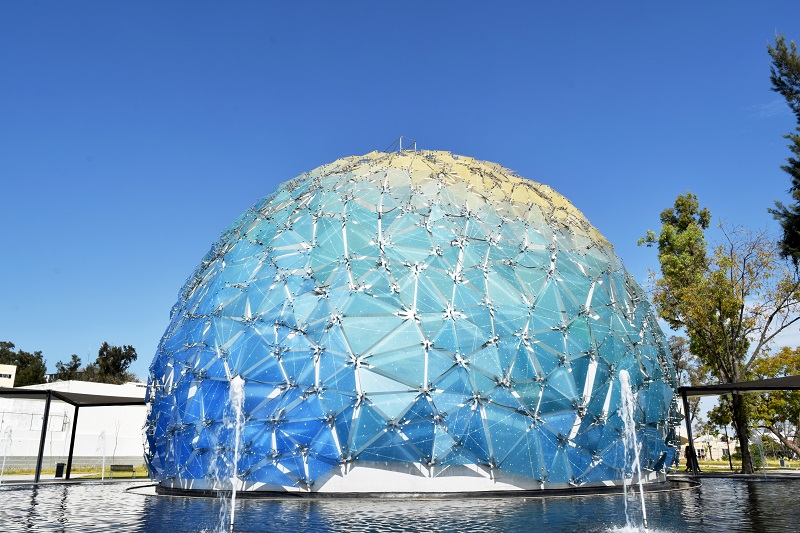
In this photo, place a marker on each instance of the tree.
(111, 365)
(720, 414)
(779, 411)
(68, 371)
(785, 78)
(30, 366)
(688, 371)
(731, 305)
(681, 254)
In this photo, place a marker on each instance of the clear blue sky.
(133, 133)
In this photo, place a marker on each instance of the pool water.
(716, 505)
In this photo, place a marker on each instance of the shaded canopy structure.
(75, 399)
(758, 385)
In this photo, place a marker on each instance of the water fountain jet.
(755, 438)
(631, 444)
(236, 400)
(6, 439)
(101, 450)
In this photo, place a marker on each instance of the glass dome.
(408, 321)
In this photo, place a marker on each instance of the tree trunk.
(786, 442)
(741, 424)
(797, 430)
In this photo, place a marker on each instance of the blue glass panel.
(614, 455)
(530, 395)
(579, 338)
(483, 384)
(487, 360)
(475, 438)
(367, 426)
(579, 463)
(325, 445)
(458, 456)
(421, 435)
(503, 397)
(458, 420)
(510, 319)
(559, 424)
(552, 340)
(300, 432)
(470, 336)
(318, 466)
(391, 447)
(588, 437)
(554, 401)
(431, 323)
(293, 462)
(562, 380)
(560, 470)
(197, 466)
(406, 366)
(525, 457)
(446, 338)
(455, 382)
(506, 428)
(335, 402)
(343, 381)
(406, 337)
(250, 348)
(394, 405)
(545, 358)
(364, 332)
(612, 433)
(309, 408)
(600, 472)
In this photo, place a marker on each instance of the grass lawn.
(84, 472)
(724, 466)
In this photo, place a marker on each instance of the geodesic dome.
(410, 321)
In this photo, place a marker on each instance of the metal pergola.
(75, 399)
(744, 387)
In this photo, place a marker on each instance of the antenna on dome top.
(397, 146)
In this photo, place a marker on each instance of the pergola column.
(686, 416)
(72, 441)
(43, 437)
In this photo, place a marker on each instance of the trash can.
(60, 469)
(783, 463)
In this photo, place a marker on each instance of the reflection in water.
(31, 514)
(63, 509)
(719, 505)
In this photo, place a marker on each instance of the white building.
(110, 432)
(711, 447)
(7, 375)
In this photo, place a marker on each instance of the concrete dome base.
(373, 478)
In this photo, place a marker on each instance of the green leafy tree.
(69, 370)
(785, 78)
(731, 303)
(720, 414)
(111, 365)
(681, 254)
(31, 367)
(779, 411)
(688, 370)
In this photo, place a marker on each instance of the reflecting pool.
(717, 505)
